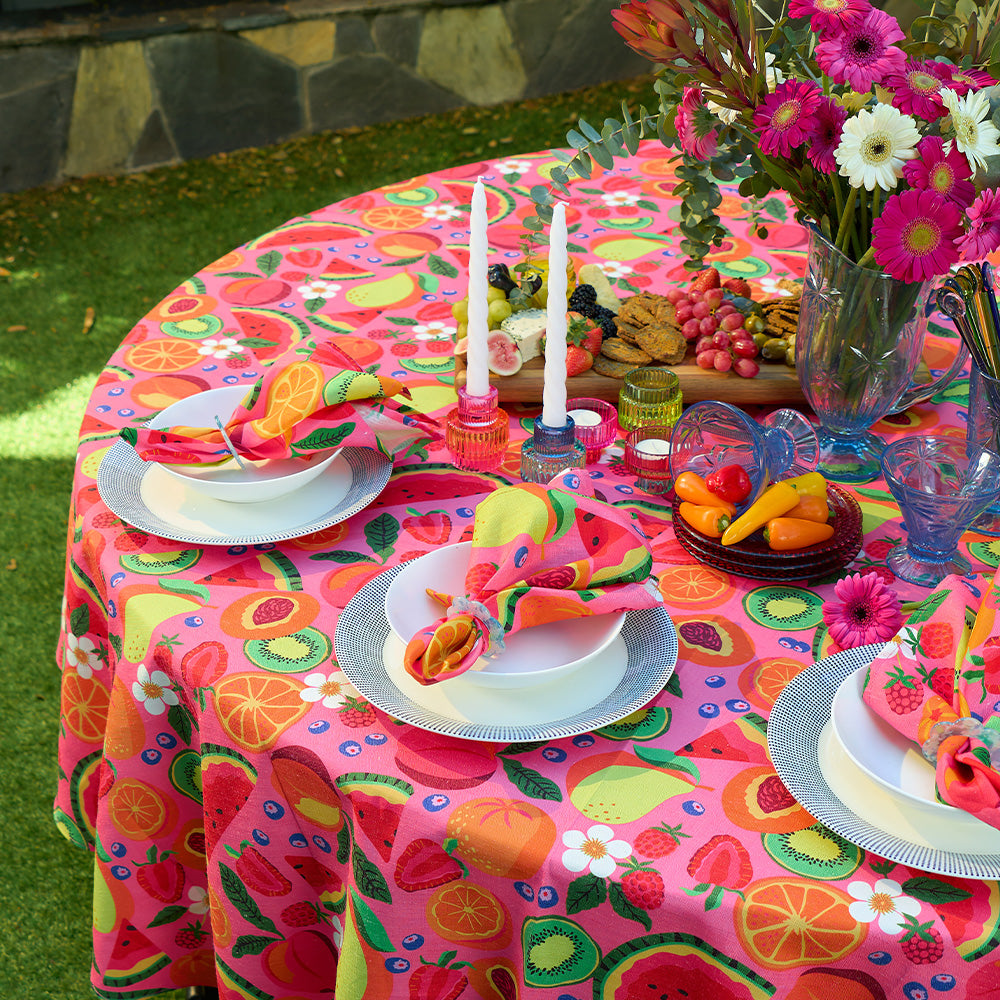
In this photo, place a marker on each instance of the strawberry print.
(443, 981)
(162, 879)
(434, 527)
(659, 841)
(901, 693)
(425, 865)
(643, 885)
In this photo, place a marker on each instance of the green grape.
(499, 310)
(461, 330)
(495, 294)
(460, 310)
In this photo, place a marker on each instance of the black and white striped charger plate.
(120, 482)
(362, 631)
(793, 735)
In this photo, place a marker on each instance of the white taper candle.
(554, 386)
(477, 382)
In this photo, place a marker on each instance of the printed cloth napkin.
(304, 404)
(539, 554)
(938, 683)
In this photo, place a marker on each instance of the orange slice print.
(694, 586)
(137, 810)
(85, 707)
(292, 396)
(164, 354)
(255, 709)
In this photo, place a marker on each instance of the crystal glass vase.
(859, 341)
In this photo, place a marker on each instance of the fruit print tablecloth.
(256, 824)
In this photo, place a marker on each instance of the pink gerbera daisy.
(863, 54)
(983, 236)
(830, 118)
(697, 139)
(829, 14)
(915, 90)
(947, 173)
(867, 611)
(963, 80)
(914, 237)
(787, 118)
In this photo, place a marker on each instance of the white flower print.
(334, 689)
(772, 289)
(883, 902)
(318, 289)
(222, 347)
(513, 166)
(441, 212)
(616, 269)
(617, 199)
(82, 654)
(338, 932)
(199, 899)
(595, 849)
(153, 690)
(434, 330)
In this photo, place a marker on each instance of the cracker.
(613, 369)
(636, 313)
(662, 342)
(621, 350)
(625, 331)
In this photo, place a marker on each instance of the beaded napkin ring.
(463, 605)
(965, 726)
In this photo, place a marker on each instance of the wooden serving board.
(775, 383)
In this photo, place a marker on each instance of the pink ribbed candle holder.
(596, 424)
(477, 432)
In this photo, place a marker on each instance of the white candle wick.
(477, 381)
(554, 384)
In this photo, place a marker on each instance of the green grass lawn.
(111, 248)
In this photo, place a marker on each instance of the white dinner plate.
(531, 656)
(824, 780)
(143, 495)
(625, 677)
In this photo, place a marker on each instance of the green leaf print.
(382, 534)
(245, 904)
(167, 916)
(251, 944)
(621, 906)
(584, 893)
(530, 782)
(934, 890)
(369, 879)
(79, 620)
(268, 262)
(369, 926)
(440, 266)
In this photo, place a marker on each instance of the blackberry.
(605, 319)
(584, 300)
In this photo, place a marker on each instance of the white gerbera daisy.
(975, 134)
(874, 146)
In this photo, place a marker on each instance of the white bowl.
(532, 656)
(258, 480)
(897, 767)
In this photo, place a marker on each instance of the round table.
(258, 825)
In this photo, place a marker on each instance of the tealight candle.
(585, 418)
(477, 379)
(554, 384)
(653, 446)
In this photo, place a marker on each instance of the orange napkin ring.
(967, 727)
(465, 606)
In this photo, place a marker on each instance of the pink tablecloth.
(253, 820)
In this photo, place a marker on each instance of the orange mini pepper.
(786, 533)
(710, 521)
(811, 508)
(691, 487)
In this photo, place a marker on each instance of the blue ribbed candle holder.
(550, 451)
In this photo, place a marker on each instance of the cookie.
(613, 369)
(621, 350)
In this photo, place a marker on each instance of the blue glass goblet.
(941, 487)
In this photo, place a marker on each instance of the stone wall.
(110, 94)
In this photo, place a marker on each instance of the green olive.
(754, 323)
(774, 349)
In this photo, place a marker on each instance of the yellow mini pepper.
(773, 502)
(811, 483)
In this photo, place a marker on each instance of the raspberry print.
(356, 714)
(921, 943)
(642, 885)
(901, 693)
(191, 935)
(659, 841)
(937, 639)
(106, 519)
(300, 914)
(237, 361)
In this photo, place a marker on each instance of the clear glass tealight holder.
(647, 456)
(649, 396)
(551, 450)
(477, 432)
(596, 424)
(983, 431)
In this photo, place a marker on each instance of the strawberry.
(902, 693)
(921, 943)
(937, 639)
(738, 287)
(704, 280)
(434, 527)
(316, 875)
(659, 841)
(357, 714)
(585, 334)
(643, 885)
(425, 865)
(578, 360)
(191, 935)
(163, 879)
